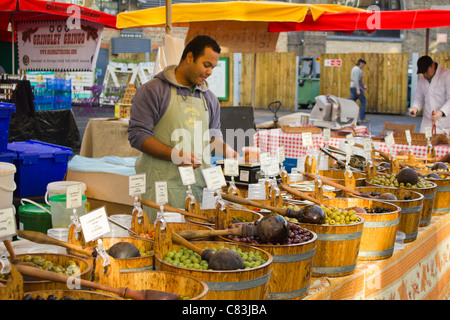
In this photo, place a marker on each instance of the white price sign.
(367, 146)
(350, 140)
(307, 139)
(161, 195)
(187, 175)
(389, 141)
(408, 136)
(7, 223)
(94, 224)
(272, 167)
(231, 167)
(428, 132)
(281, 156)
(73, 196)
(326, 134)
(136, 184)
(214, 178)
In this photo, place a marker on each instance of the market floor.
(375, 123)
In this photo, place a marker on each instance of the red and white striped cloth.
(271, 140)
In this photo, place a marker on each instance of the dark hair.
(361, 61)
(197, 46)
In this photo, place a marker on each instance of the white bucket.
(60, 187)
(173, 217)
(115, 230)
(7, 184)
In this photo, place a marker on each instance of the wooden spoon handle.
(332, 183)
(10, 249)
(180, 240)
(154, 205)
(300, 194)
(42, 238)
(248, 202)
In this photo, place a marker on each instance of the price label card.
(367, 146)
(73, 196)
(408, 136)
(350, 140)
(428, 132)
(263, 160)
(161, 194)
(208, 200)
(272, 167)
(94, 224)
(136, 184)
(326, 134)
(187, 175)
(214, 178)
(231, 167)
(389, 141)
(7, 223)
(281, 156)
(307, 139)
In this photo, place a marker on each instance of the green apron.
(186, 117)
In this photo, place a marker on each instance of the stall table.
(270, 140)
(107, 137)
(419, 271)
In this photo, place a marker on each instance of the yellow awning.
(265, 11)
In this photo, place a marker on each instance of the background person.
(357, 88)
(432, 94)
(175, 121)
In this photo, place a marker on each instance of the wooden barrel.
(429, 195)
(142, 262)
(442, 200)
(378, 236)
(73, 294)
(338, 176)
(33, 284)
(291, 268)
(174, 226)
(411, 209)
(246, 284)
(189, 288)
(337, 248)
(238, 216)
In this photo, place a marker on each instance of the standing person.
(357, 88)
(432, 95)
(175, 121)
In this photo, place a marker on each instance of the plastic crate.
(8, 157)
(38, 164)
(5, 118)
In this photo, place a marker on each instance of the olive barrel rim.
(421, 196)
(398, 209)
(368, 184)
(263, 266)
(335, 225)
(310, 241)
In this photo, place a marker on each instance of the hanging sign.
(57, 45)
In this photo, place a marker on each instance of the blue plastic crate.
(38, 164)
(8, 157)
(5, 118)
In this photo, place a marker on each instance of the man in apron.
(432, 95)
(175, 120)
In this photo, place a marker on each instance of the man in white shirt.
(432, 95)
(357, 88)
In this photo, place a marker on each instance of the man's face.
(361, 65)
(430, 72)
(202, 68)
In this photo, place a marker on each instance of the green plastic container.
(33, 218)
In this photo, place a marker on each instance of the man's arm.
(219, 147)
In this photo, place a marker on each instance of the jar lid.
(33, 209)
(62, 198)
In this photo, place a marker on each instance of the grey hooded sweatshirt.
(151, 101)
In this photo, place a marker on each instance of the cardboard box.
(108, 187)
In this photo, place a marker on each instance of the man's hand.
(181, 158)
(413, 112)
(437, 115)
